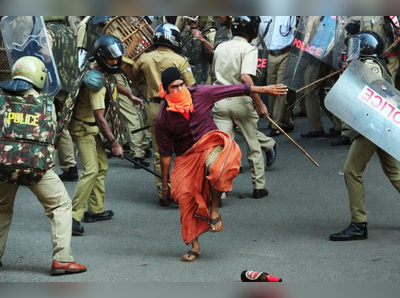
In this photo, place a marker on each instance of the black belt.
(279, 52)
(88, 123)
(156, 100)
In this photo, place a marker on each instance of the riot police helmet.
(168, 35)
(245, 26)
(365, 44)
(31, 71)
(108, 47)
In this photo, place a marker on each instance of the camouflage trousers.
(361, 152)
(65, 150)
(53, 196)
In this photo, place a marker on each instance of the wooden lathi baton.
(390, 49)
(320, 80)
(294, 142)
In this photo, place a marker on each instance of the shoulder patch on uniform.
(94, 80)
(375, 69)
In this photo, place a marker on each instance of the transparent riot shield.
(345, 26)
(26, 36)
(313, 44)
(315, 35)
(369, 104)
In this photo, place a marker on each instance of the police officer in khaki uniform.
(224, 33)
(96, 95)
(235, 62)
(278, 41)
(384, 27)
(147, 71)
(132, 119)
(362, 149)
(29, 76)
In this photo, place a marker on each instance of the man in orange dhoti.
(207, 160)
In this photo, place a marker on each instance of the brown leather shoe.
(260, 193)
(59, 268)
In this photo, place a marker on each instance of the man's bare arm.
(260, 106)
(107, 133)
(136, 100)
(165, 167)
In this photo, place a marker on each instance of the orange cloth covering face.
(180, 102)
(191, 188)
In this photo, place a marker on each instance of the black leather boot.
(77, 229)
(356, 231)
(70, 175)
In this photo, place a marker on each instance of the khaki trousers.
(154, 108)
(346, 130)
(54, 198)
(239, 111)
(131, 119)
(90, 189)
(361, 151)
(276, 69)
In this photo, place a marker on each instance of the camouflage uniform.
(197, 56)
(63, 43)
(223, 34)
(5, 72)
(31, 163)
(90, 190)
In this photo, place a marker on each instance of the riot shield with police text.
(26, 36)
(369, 104)
(313, 44)
(315, 35)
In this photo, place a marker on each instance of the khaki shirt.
(150, 66)
(232, 59)
(89, 101)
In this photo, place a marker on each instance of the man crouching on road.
(184, 126)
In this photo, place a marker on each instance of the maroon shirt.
(176, 134)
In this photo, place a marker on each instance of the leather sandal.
(213, 222)
(189, 254)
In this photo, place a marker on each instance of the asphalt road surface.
(285, 234)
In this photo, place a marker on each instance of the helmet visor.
(113, 51)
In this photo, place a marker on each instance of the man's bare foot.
(190, 256)
(216, 224)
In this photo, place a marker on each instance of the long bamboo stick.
(320, 80)
(293, 141)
